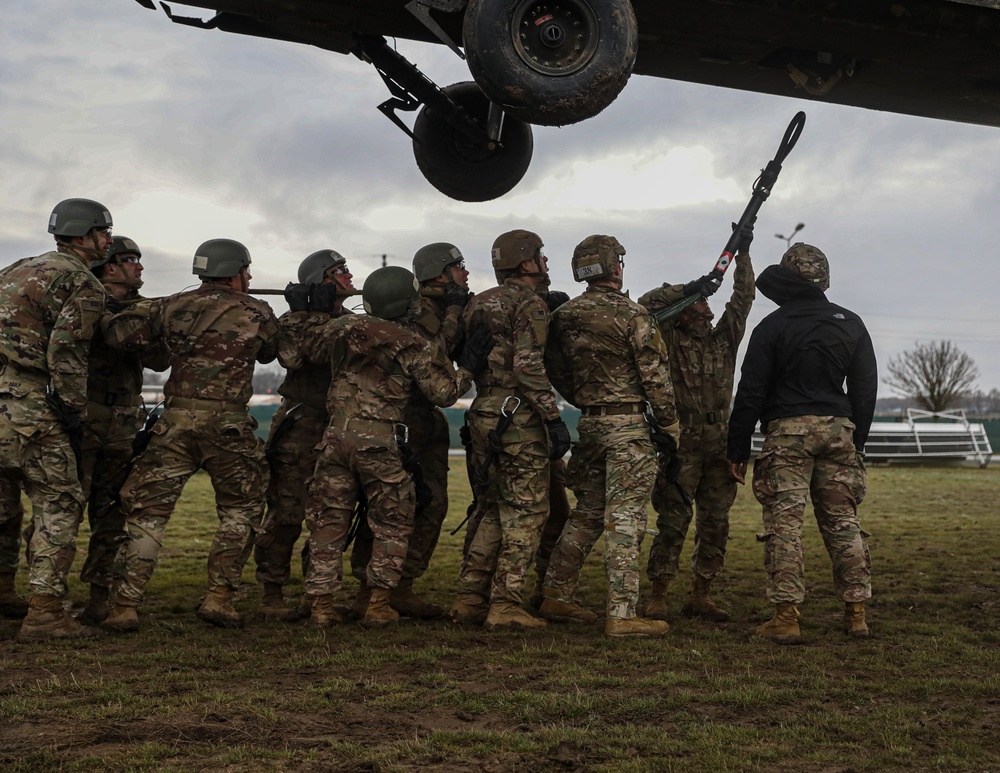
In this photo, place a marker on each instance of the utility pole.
(788, 239)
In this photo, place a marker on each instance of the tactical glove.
(704, 286)
(323, 297)
(559, 439)
(454, 295)
(746, 235)
(476, 351)
(556, 298)
(297, 296)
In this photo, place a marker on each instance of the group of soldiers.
(358, 448)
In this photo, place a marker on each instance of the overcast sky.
(189, 134)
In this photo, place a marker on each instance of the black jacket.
(798, 361)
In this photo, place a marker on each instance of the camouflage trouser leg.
(611, 472)
(36, 456)
(706, 479)
(292, 460)
(11, 518)
(814, 454)
(430, 440)
(516, 507)
(559, 512)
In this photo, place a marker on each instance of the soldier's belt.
(216, 406)
(712, 417)
(111, 399)
(612, 410)
(373, 427)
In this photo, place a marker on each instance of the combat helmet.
(120, 245)
(75, 217)
(513, 248)
(388, 292)
(313, 269)
(220, 259)
(431, 259)
(808, 262)
(595, 257)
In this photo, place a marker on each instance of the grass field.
(923, 694)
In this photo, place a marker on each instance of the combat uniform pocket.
(763, 484)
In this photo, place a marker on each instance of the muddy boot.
(46, 619)
(700, 605)
(360, 605)
(562, 612)
(323, 612)
(537, 595)
(634, 627)
(272, 604)
(656, 606)
(854, 620)
(218, 609)
(469, 609)
(98, 606)
(11, 604)
(409, 604)
(379, 612)
(783, 628)
(507, 614)
(121, 618)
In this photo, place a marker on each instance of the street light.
(788, 239)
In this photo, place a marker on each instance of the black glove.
(555, 299)
(323, 297)
(114, 305)
(297, 296)
(456, 295)
(746, 235)
(559, 439)
(478, 345)
(704, 286)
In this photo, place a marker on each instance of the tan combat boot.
(218, 609)
(854, 620)
(379, 612)
(700, 605)
(635, 627)
(656, 606)
(323, 612)
(98, 606)
(272, 604)
(783, 628)
(46, 619)
(566, 612)
(507, 614)
(469, 608)
(360, 605)
(122, 618)
(11, 604)
(538, 594)
(409, 604)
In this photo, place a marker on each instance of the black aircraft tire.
(551, 63)
(463, 169)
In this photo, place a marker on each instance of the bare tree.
(935, 375)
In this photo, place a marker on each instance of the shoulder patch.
(538, 314)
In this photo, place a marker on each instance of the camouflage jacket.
(50, 306)
(703, 363)
(305, 382)
(376, 364)
(519, 321)
(442, 327)
(213, 335)
(605, 349)
(115, 377)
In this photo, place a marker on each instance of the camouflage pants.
(705, 477)
(11, 517)
(107, 448)
(35, 457)
(350, 463)
(514, 507)
(815, 456)
(430, 441)
(291, 454)
(611, 471)
(559, 512)
(184, 441)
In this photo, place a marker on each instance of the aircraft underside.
(555, 62)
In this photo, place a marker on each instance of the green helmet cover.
(388, 291)
(220, 259)
(430, 260)
(595, 256)
(808, 262)
(76, 217)
(313, 269)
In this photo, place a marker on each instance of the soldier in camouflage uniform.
(606, 357)
(325, 281)
(12, 604)
(114, 416)
(444, 283)
(702, 368)
(50, 306)
(514, 383)
(798, 360)
(213, 334)
(378, 362)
